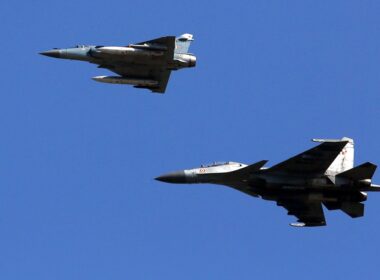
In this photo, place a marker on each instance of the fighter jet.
(322, 175)
(143, 65)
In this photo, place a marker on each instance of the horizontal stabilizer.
(363, 171)
(250, 168)
(353, 209)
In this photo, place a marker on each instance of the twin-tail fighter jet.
(322, 175)
(143, 65)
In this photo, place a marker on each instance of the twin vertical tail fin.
(345, 160)
(182, 43)
(343, 165)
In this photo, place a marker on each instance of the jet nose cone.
(52, 53)
(173, 177)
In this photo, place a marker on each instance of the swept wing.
(152, 69)
(313, 161)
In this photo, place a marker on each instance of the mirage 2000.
(143, 65)
(323, 174)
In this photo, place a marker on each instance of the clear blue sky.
(78, 158)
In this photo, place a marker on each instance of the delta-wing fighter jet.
(143, 65)
(322, 175)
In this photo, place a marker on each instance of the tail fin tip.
(185, 37)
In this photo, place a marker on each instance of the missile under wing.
(144, 65)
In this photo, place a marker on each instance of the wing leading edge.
(316, 160)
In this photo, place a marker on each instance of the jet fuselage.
(143, 65)
(322, 175)
(271, 186)
(101, 54)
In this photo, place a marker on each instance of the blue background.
(78, 158)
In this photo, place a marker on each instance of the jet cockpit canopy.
(80, 46)
(215, 163)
